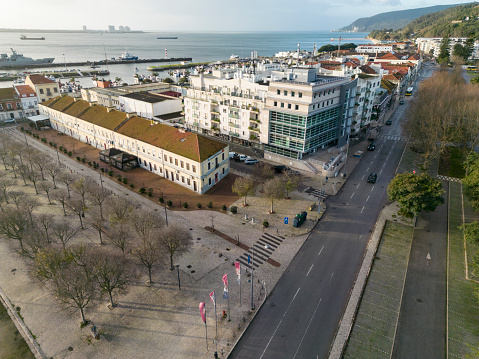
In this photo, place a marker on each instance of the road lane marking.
(331, 277)
(367, 199)
(367, 170)
(358, 184)
(380, 171)
(321, 250)
(363, 177)
(267, 345)
(301, 342)
(362, 209)
(372, 188)
(352, 195)
(310, 269)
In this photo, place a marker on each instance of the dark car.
(371, 147)
(416, 149)
(373, 177)
(401, 102)
(389, 122)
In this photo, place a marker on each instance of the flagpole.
(216, 320)
(229, 313)
(206, 328)
(240, 288)
(252, 281)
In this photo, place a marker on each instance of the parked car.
(293, 173)
(373, 177)
(233, 155)
(371, 147)
(401, 102)
(240, 158)
(250, 161)
(389, 122)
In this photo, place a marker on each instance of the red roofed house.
(28, 99)
(45, 89)
(10, 106)
(189, 159)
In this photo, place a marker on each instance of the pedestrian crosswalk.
(393, 138)
(263, 248)
(9, 129)
(316, 193)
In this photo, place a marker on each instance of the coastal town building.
(150, 105)
(45, 88)
(28, 99)
(190, 160)
(431, 45)
(366, 99)
(375, 48)
(10, 105)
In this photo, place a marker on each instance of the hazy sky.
(198, 15)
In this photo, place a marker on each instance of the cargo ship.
(23, 37)
(167, 37)
(18, 60)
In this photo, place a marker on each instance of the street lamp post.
(179, 283)
(252, 281)
(164, 200)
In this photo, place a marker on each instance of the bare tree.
(40, 162)
(243, 186)
(64, 232)
(97, 222)
(54, 170)
(12, 162)
(175, 240)
(23, 170)
(60, 195)
(6, 183)
(47, 187)
(263, 172)
(111, 272)
(29, 204)
(98, 196)
(17, 197)
(75, 204)
(291, 182)
(120, 209)
(274, 189)
(35, 240)
(66, 179)
(13, 225)
(145, 222)
(149, 252)
(34, 176)
(45, 222)
(82, 187)
(120, 235)
(4, 144)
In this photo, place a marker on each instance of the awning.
(38, 118)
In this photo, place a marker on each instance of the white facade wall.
(372, 49)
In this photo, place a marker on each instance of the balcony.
(214, 102)
(215, 112)
(232, 115)
(231, 124)
(195, 115)
(215, 120)
(234, 134)
(253, 128)
(254, 120)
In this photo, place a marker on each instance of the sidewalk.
(158, 318)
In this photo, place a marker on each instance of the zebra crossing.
(446, 178)
(393, 138)
(9, 129)
(316, 193)
(263, 248)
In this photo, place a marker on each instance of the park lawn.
(463, 308)
(451, 162)
(373, 331)
(12, 344)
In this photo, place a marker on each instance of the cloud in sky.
(194, 15)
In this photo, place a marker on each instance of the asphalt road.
(300, 317)
(421, 331)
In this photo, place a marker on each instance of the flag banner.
(203, 311)
(213, 298)
(225, 290)
(238, 271)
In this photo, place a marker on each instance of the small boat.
(127, 56)
(167, 37)
(23, 37)
(233, 56)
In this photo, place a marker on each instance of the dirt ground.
(220, 194)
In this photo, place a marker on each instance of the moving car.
(389, 122)
(371, 147)
(250, 161)
(401, 102)
(373, 177)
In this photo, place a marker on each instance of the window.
(165, 157)
(282, 104)
(276, 103)
(289, 105)
(223, 156)
(171, 160)
(314, 106)
(143, 149)
(285, 93)
(292, 93)
(181, 164)
(193, 168)
(55, 90)
(296, 107)
(278, 92)
(154, 165)
(209, 181)
(161, 170)
(183, 179)
(177, 177)
(223, 170)
(187, 166)
(315, 95)
(18, 104)
(331, 101)
(1, 107)
(41, 91)
(300, 94)
(176, 161)
(209, 165)
(188, 181)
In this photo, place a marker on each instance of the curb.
(22, 328)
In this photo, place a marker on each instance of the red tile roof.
(39, 79)
(25, 91)
(367, 70)
(391, 56)
(171, 93)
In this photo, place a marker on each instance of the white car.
(250, 161)
(233, 154)
(242, 158)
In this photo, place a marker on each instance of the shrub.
(70, 153)
(234, 209)
(89, 163)
(101, 169)
(119, 178)
(199, 205)
(161, 200)
(110, 173)
(185, 204)
(50, 143)
(65, 150)
(210, 205)
(223, 207)
(149, 194)
(132, 185)
(169, 203)
(78, 158)
(125, 180)
(265, 224)
(22, 129)
(54, 145)
(142, 190)
(83, 160)
(60, 148)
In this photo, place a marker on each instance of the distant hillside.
(391, 20)
(458, 21)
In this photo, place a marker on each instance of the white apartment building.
(28, 99)
(372, 48)
(366, 99)
(428, 44)
(228, 108)
(190, 160)
(149, 105)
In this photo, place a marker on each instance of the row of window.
(292, 93)
(55, 90)
(300, 94)
(296, 107)
(10, 107)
